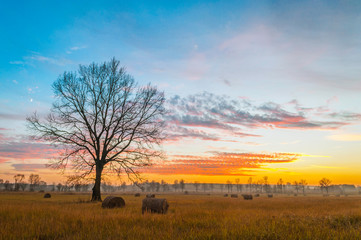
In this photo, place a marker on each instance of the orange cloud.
(219, 163)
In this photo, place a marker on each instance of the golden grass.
(30, 216)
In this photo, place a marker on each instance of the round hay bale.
(137, 195)
(113, 202)
(150, 196)
(225, 195)
(234, 195)
(155, 205)
(256, 195)
(186, 192)
(247, 196)
(47, 195)
(270, 195)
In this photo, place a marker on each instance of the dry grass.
(30, 216)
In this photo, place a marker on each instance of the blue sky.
(277, 59)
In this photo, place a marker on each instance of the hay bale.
(247, 196)
(186, 192)
(270, 195)
(150, 196)
(225, 195)
(256, 195)
(295, 194)
(234, 195)
(155, 205)
(137, 195)
(47, 195)
(113, 202)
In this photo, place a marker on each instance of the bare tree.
(103, 120)
(19, 182)
(303, 184)
(250, 184)
(325, 184)
(237, 180)
(182, 184)
(229, 186)
(7, 185)
(266, 185)
(34, 181)
(280, 185)
(123, 186)
(296, 185)
(175, 185)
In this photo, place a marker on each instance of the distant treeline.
(34, 183)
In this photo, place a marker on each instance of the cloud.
(75, 48)
(9, 116)
(28, 167)
(22, 150)
(220, 163)
(37, 57)
(229, 116)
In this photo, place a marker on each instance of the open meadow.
(30, 216)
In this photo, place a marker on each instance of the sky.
(258, 88)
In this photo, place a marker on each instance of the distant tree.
(280, 185)
(303, 184)
(196, 185)
(175, 185)
(34, 181)
(296, 186)
(19, 182)
(42, 185)
(229, 186)
(157, 186)
(289, 186)
(325, 184)
(250, 184)
(237, 180)
(123, 186)
(103, 120)
(59, 187)
(153, 186)
(205, 187)
(265, 182)
(163, 185)
(182, 184)
(7, 185)
(1, 183)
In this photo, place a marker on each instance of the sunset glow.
(252, 88)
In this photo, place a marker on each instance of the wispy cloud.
(28, 167)
(75, 48)
(38, 57)
(231, 116)
(221, 163)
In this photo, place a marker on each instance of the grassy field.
(30, 216)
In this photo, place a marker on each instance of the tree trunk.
(96, 189)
